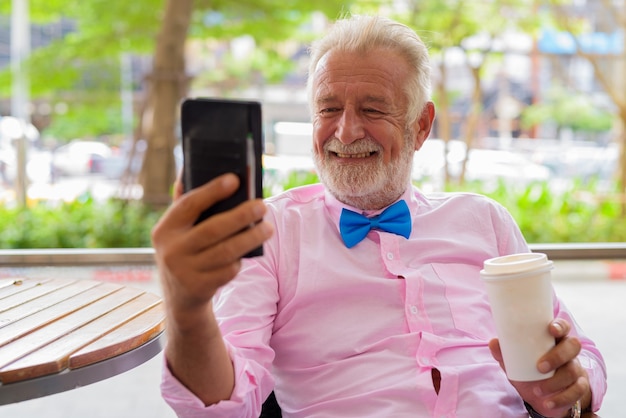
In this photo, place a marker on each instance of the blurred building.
(40, 36)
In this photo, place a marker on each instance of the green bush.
(83, 223)
(579, 214)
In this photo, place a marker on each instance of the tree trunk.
(444, 122)
(167, 85)
(621, 167)
(471, 124)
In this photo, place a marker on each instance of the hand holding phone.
(223, 136)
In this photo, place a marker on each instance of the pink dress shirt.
(340, 332)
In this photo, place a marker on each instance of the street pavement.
(596, 299)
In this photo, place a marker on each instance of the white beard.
(367, 185)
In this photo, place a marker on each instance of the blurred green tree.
(569, 110)
(608, 69)
(76, 70)
(475, 29)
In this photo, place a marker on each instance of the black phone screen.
(222, 136)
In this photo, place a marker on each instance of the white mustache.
(362, 146)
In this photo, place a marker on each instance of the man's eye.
(370, 110)
(329, 110)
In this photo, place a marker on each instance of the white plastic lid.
(516, 263)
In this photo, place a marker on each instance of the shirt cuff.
(597, 378)
(245, 401)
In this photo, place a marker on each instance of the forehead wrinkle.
(327, 98)
(376, 99)
(338, 77)
(367, 98)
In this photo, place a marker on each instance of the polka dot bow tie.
(395, 219)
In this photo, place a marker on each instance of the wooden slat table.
(60, 334)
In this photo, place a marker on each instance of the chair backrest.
(271, 409)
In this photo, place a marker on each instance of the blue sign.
(558, 42)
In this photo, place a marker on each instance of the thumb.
(178, 186)
(494, 347)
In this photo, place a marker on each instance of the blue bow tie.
(354, 226)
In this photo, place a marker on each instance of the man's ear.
(424, 124)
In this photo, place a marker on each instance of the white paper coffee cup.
(520, 294)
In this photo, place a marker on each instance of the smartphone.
(223, 136)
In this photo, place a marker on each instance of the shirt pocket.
(466, 298)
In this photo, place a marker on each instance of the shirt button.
(413, 309)
(390, 256)
(425, 361)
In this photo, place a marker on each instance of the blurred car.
(429, 163)
(513, 167)
(11, 128)
(125, 160)
(486, 165)
(7, 161)
(37, 165)
(80, 158)
(580, 162)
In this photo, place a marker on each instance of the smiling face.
(362, 146)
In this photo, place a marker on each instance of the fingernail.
(258, 209)
(267, 229)
(550, 404)
(228, 181)
(544, 367)
(558, 326)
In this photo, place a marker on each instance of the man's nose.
(350, 127)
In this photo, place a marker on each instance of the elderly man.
(389, 320)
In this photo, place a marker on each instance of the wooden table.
(60, 334)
